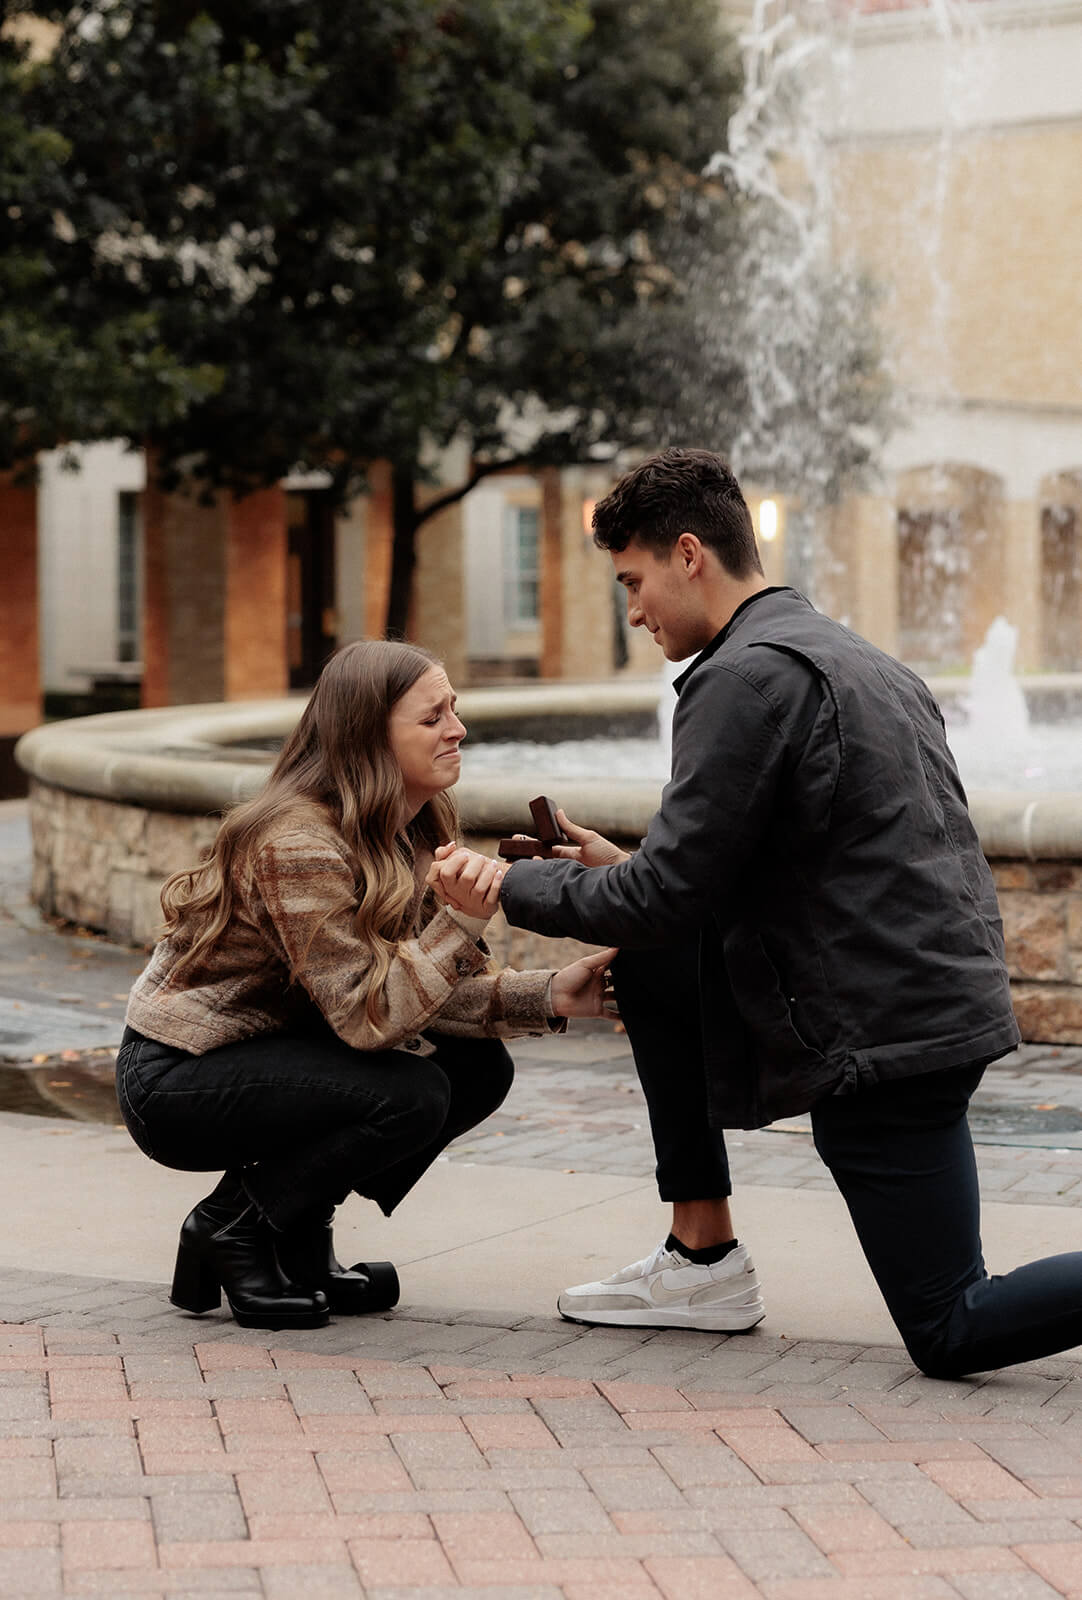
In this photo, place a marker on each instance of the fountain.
(997, 710)
(997, 741)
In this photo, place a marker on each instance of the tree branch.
(483, 470)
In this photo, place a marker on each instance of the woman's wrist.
(474, 926)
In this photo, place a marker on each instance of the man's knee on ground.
(937, 1352)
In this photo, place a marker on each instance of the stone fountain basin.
(120, 801)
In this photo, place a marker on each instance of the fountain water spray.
(801, 64)
(997, 714)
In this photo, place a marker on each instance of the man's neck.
(731, 594)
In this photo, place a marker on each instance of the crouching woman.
(313, 1022)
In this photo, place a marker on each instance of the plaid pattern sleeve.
(305, 889)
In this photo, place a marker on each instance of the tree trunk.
(405, 522)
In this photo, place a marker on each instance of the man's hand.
(588, 847)
(584, 989)
(465, 880)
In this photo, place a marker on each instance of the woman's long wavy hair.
(339, 755)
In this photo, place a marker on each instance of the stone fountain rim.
(112, 756)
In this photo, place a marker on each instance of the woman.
(314, 1021)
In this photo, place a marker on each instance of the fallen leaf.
(59, 1083)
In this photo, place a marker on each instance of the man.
(829, 941)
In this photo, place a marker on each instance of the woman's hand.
(465, 880)
(588, 847)
(584, 989)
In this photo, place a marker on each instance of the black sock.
(702, 1258)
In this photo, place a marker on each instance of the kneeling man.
(810, 925)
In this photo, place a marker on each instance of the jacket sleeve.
(501, 1005)
(730, 750)
(300, 877)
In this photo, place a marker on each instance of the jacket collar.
(719, 638)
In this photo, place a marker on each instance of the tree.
(374, 227)
(64, 378)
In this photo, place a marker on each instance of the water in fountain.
(995, 743)
(998, 746)
(996, 711)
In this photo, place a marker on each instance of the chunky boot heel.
(306, 1256)
(383, 1285)
(196, 1286)
(224, 1242)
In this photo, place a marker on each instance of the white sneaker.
(666, 1290)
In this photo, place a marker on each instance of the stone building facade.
(955, 157)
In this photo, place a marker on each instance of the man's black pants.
(902, 1157)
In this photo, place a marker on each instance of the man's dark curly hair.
(680, 491)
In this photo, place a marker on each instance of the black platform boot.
(306, 1256)
(226, 1244)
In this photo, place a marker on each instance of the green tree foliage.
(67, 372)
(316, 233)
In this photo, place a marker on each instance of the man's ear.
(689, 552)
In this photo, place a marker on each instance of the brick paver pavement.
(197, 1459)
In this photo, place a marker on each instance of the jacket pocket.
(768, 1010)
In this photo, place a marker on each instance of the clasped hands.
(470, 882)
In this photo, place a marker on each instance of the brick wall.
(255, 598)
(20, 687)
(378, 537)
(215, 597)
(993, 218)
(438, 614)
(1041, 902)
(184, 614)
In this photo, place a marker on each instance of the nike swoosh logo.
(678, 1284)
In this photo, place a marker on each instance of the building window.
(127, 577)
(521, 565)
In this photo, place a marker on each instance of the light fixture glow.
(768, 520)
(588, 517)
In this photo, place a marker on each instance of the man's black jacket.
(815, 836)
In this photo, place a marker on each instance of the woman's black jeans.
(902, 1157)
(304, 1118)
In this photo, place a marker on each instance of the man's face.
(663, 598)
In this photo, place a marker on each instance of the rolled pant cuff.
(678, 1194)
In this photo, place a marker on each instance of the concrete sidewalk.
(471, 1442)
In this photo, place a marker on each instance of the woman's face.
(425, 735)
